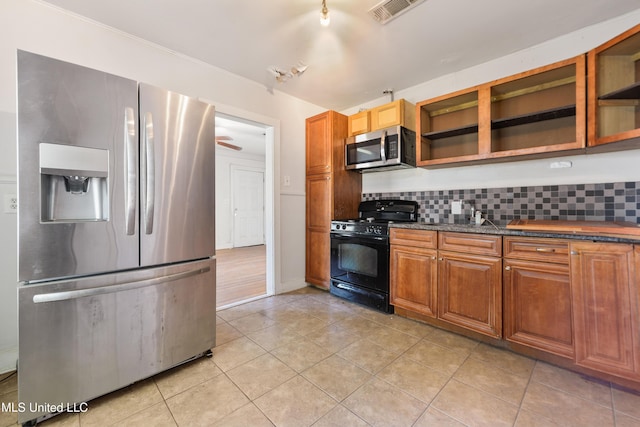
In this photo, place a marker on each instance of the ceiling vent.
(389, 9)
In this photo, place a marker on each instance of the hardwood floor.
(241, 274)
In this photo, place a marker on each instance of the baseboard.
(290, 285)
(8, 359)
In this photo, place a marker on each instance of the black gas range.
(360, 252)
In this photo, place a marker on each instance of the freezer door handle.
(119, 287)
(130, 173)
(150, 173)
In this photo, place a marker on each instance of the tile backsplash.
(619, 201)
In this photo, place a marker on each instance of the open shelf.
(629, 92)
(462, 130)
(614, 82)
(538, 116)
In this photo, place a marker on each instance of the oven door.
(361, 260)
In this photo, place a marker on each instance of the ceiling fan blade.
(227, 145)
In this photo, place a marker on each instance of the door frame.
(271, 187)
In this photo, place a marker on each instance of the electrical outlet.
(10, 203)
(456, 207)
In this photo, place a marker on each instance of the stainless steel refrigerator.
(116, 232)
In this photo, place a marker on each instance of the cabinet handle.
(545, 250)
(433, 258)
(575, 253)
(440, 259)
(508, 268)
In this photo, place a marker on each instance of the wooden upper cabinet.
(395, 113)
(540, 111)
(449, 129)
(605, 301)
(359, 123)
(614, 90)
(533, 114)
(319, 135)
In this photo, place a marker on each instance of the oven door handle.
(343, 236)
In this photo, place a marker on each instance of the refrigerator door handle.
(130, 173)
(82, 293)
(150, 173)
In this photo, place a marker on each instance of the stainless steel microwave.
(391, 148)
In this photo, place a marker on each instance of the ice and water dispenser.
(73, 183)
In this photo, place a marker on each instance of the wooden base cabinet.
(470, 281)
(537, 294)
(470, 292)
(537, 301)
(413, 271)
(605, 301)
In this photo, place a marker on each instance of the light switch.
(287, 181)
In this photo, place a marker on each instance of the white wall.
(37, 27)
(593, 168)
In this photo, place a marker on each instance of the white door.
(248, 206)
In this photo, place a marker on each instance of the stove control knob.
(372, 229)
(344, 226)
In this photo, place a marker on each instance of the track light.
(324, 15)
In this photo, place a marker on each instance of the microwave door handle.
(383, 138)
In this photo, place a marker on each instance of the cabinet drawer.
(417, 238)
(530, 248)
(470, 243)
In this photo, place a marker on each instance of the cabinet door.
(614, 105)
(414, 277)
(470, 292)
(396, 113)
(319, 202)
(359, 123)
(318, 221)
(319, 143)
(318, 258)
(605, 304)
(537, 306)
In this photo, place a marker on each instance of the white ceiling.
(355, 59)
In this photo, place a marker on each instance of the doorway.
(244, 210)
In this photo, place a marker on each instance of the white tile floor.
(307, 358)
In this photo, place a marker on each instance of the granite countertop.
(503, 231)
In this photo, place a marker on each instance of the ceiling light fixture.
(325, 20)
(283, 75)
